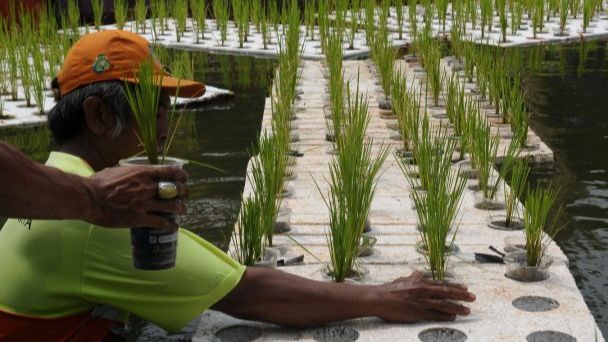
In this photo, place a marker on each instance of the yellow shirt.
(58, 268)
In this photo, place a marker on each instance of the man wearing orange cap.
(68, 280)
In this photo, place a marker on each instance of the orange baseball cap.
(116, 55)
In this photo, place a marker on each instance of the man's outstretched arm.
(284, 299)
(117, 197)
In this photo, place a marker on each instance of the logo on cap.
(101, 64)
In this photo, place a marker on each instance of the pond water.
(568, 95)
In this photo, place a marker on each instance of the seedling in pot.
(256, 14)
(25, 73)
(248, 238)
(121, 8)
(563, 16)
(140, 12)
(199, 14)
(180, 15)
(588, 13)
(309, 18)
(240, 9)
(487, 12)
(97, 7)
(413, 17)
(38, 78)
(502, 10)
(354, 26)
(399, 9)
(220, 8)
(513, 193)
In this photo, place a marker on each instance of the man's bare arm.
(118, 197)
(284, 299)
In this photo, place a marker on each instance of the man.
(59, 278)
(114, 197)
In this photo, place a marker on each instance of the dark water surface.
(569, 99)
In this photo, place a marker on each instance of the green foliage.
(518, 182)
(199, 14)
(140, 12)
(220, 9)
(248, 238)
(180, 15)
(120, 13)
(240, 9)
(38, 77)
(97, 7)
(538, 228)
(384, 55)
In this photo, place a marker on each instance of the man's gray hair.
(66, 119)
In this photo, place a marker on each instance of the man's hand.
(414, 298)
(127, 197)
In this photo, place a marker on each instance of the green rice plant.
(266, 34)
(13, 64)
(121, 8)
(199, 14)
(502, 10)
(563, 16)
(518, 181)
(335, 74)
(538, 17)
(73, 18)
(412, 15)
(248, 238)
(517, 10)
(406, 108)
(384, 57)
(310, 8)
(240, 8)
(140, 12)
(25, 73)
(220, 9)
(38, 75)
(182, 66)
(484, 150)
(487, 12)
(273, 14)
(435, 76)
(353, 26)
(588, 13)
(144, 100)
(399, 9)
(575, 6)
(256, 14)
(97, 7)
(457, 108)
(180, 15)
(370, 21)
(539, 230)
(268, 178)
(472, 13)
(353, 179)
(442, 12)
(438, 206)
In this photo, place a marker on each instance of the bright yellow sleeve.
(169, 298)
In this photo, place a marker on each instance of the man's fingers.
(168, 173)
(444, 306)
(446, 283)
(448, 292)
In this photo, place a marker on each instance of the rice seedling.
(353, 25)
(274, 15)
(516, 8)
(539, 230)
(182, 66)
(563, 16)
(502, 10)
(180, 15)
(73, 18)
(121, 8)
(384, 57)
(588, 13)
(370, 21)
(97, 8)
(268, 177)
(412, 15)
(309, 18)
(266, 36)
(487, 12)
(140, 12)
(335, 74)
(240, 8)
(353, 179)
(25, 73)
(248, 238)
(220, 9)
(199, 14)
(406, 109)
(438, 206)
(256, 14)
(399, 9)
(472, 13)
(442, 12)
(484, 152)
(575, 6)
(518, 181)
(12, 54)
(435, 76)
(538, 17)
(144, 100)
(38, 75)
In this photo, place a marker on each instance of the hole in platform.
(442, 335)
(336, 334)
(238, 333)
(549, 336)
(535, 303)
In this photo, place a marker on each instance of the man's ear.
(99, 119)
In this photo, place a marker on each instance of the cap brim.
(178, 87)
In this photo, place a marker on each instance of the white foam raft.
(493, 317)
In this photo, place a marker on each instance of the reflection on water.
(568, 94)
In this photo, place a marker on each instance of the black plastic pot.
(153, 249)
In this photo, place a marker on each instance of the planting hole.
(535, 303)
(238, 333)
(336, 334)
(442, 335)
(549, 336)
